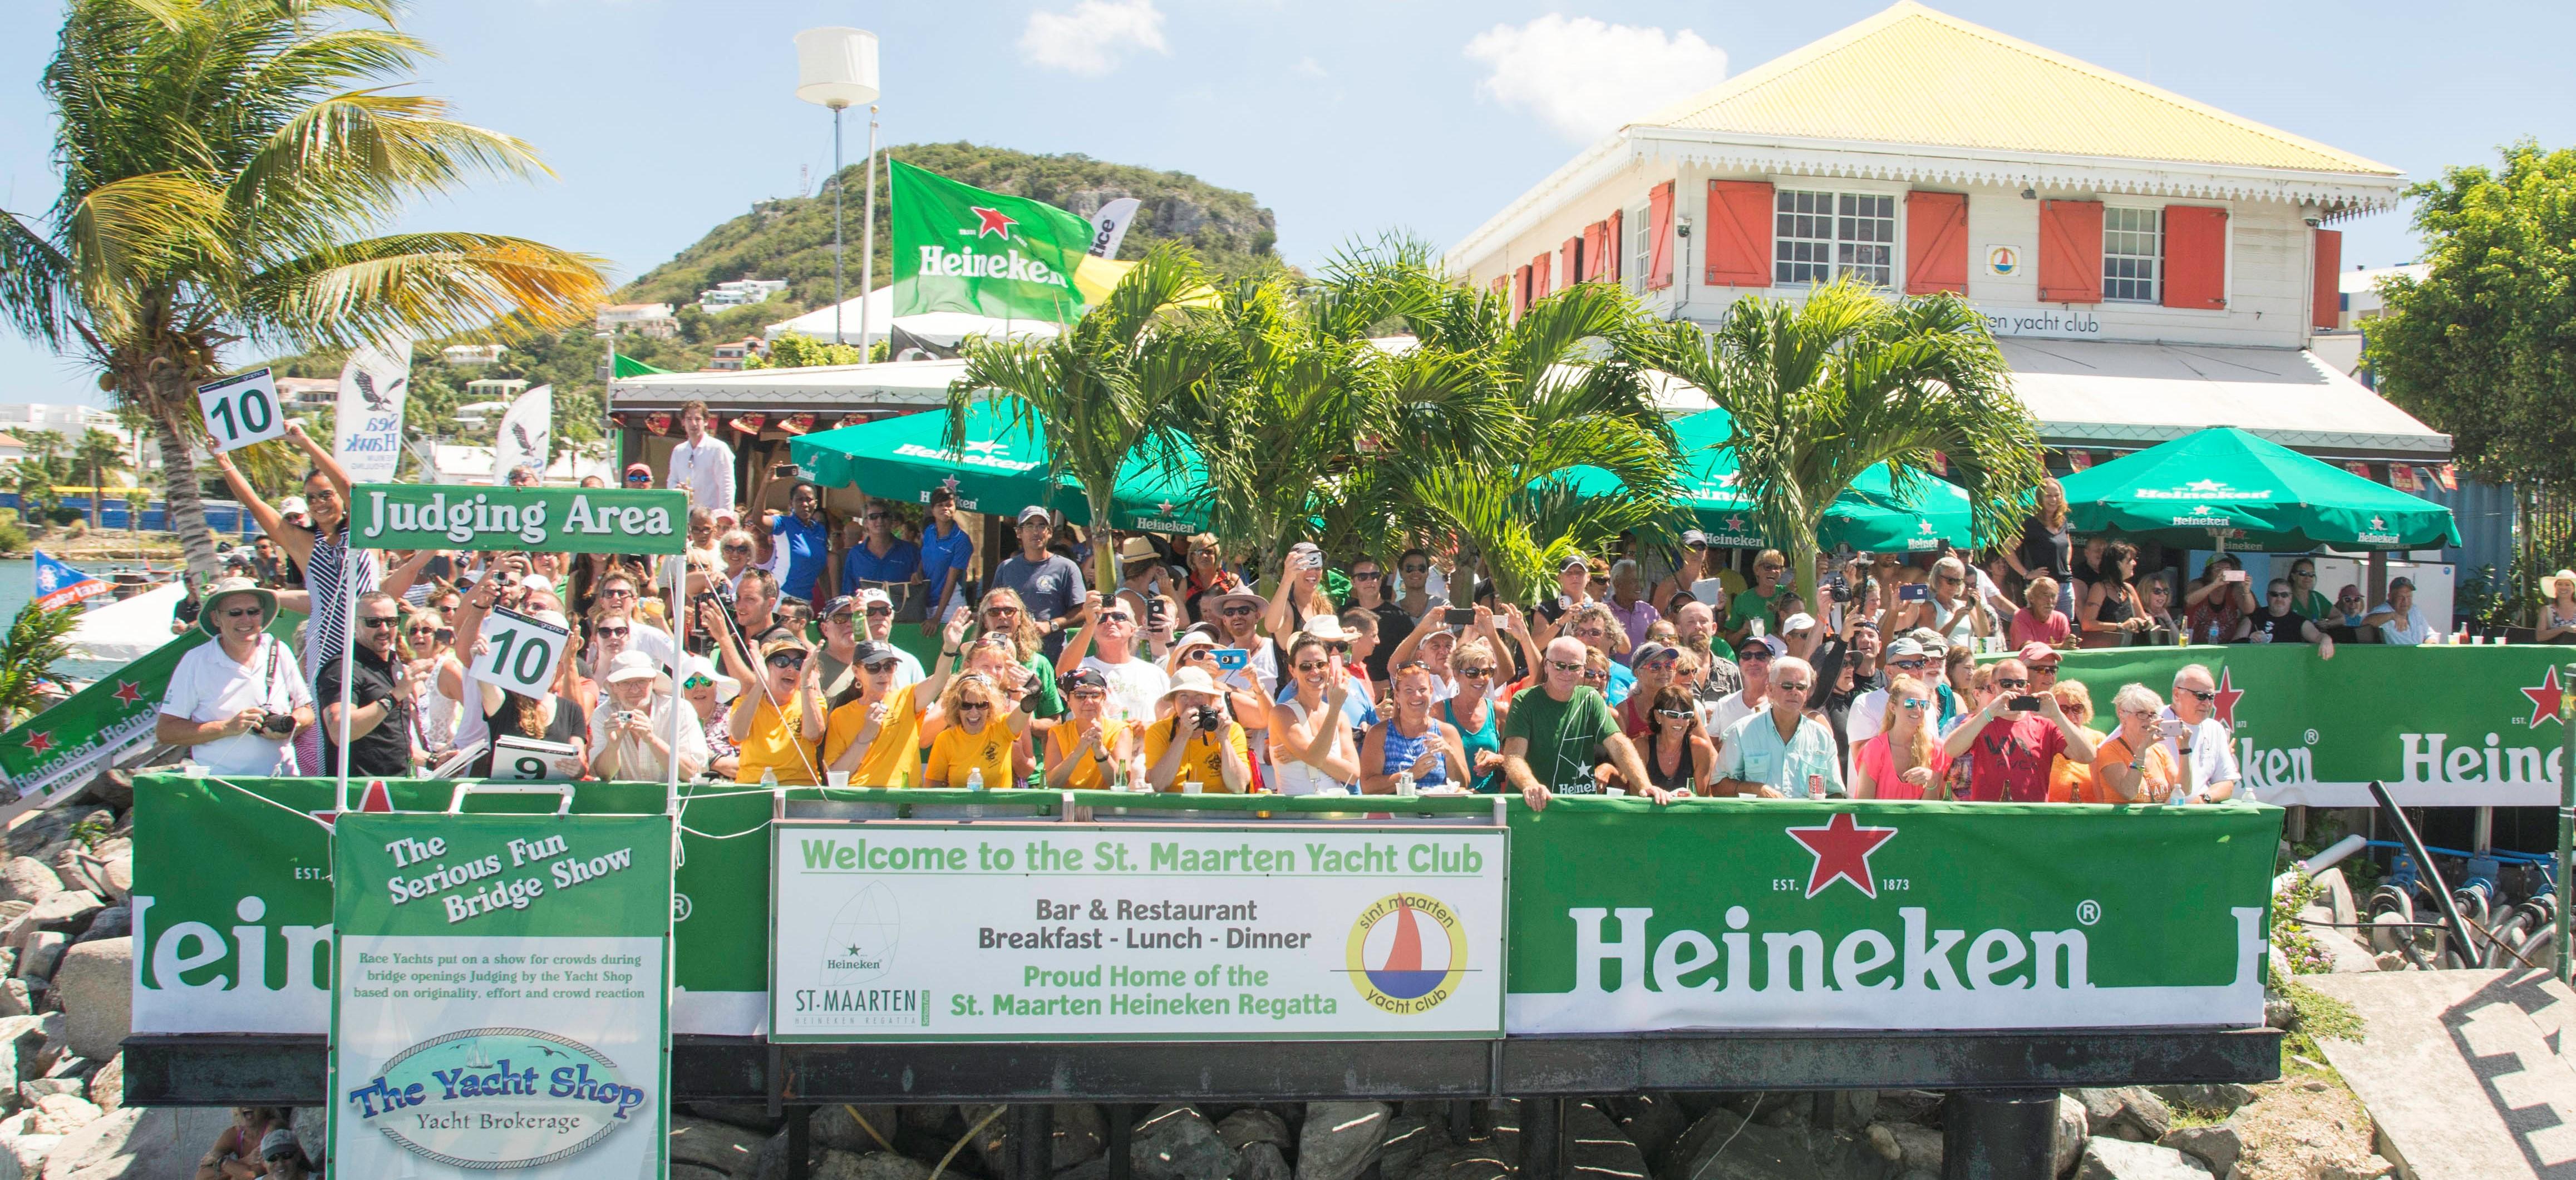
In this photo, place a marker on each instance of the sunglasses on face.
(1910, 665)
(1200, 653)
(1312, 665)
(737, 548)
(1788, 686)
(973, 706)
(1115, 617)
(1478, 673)
(696, 681)
(1913, 703)
(2011, 682)
(1759, 655)
(2197, 694)
(880, 668)
(1364, 575)
(420, 629)
(1415, 569)
(1562, 666)
(873, 516)
(1602, 676)
(787, 659)
(1673, 714)
(243, 612)
(639, 479)
(372, 624)
(613, 632)
(1236, 612)
(2282, 594)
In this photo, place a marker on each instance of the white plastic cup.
(1191, 788)
(837, 778)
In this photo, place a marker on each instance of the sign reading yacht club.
(555, 520)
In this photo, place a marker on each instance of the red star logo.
(2227, 697)
(1735, 524)
(949, 483)
(2546, 699)
(1842, 851)
(994, 222)
(376, 799)
(129, 691)
(1165, 508)
(40, 742)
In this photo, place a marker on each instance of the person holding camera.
(1197, 743)
(237, 702)
(630, 728)
(2014, 740)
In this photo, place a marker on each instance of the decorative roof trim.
(1579, 175)
(2420, 448)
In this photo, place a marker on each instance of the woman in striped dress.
(320, 549)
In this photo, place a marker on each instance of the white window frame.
(1835, 246)
(1637, 247)
(2154, 263)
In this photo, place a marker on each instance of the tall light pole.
(837, 67)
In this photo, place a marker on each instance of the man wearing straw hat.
(237, 702)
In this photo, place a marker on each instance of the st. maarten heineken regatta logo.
(1407, 952)
(493, 1098)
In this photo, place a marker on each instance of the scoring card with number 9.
(242, 410)
(520, 654)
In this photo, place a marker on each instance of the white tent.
(122, 632)
(937, 327)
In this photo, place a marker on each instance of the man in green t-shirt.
(1559, 729)
(1755, 601)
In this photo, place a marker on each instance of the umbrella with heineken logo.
(1001, 469)
(1871, 516)
(2229, 489)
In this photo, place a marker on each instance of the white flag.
(1109, 226)
(367, 432)
(522, 437)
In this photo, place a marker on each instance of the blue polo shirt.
(941, 554)
(901, 561)
(807, 550)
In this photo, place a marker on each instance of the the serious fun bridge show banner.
(500, 995)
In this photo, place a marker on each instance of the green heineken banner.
(556, 520)
(1628, 917)
(69, 740)
(960, 248)
(1038, 932)
(232, 898)
(2441, 726)
(500, 995)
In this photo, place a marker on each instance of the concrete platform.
(2465, 1072)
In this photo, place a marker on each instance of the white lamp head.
(836, 67)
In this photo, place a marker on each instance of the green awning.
(2223, 485)
(1001, 469)
(1869, 516)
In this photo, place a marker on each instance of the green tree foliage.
(36, 639)
(791, 237)
(2481, 348)
(98, 456)
(228, 169)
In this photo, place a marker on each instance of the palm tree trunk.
(1802, 563)
(1104, 540)
(186, 506)
(93, 496)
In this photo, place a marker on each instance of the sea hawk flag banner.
(367, 432)
(960, 248)
(59, 585)
(522, 437)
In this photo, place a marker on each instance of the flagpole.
(348, 657)
(836, 230)
(671, 728)
(868, 239)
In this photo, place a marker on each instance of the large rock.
(36, 831)
(830, 1164)
(837, 1126)
(2125, 1112)
(719, 1147)
(1408, 1138)
(42, 950)
(1340, 1138)
(1747, 1151)
(1260, 1160)
(1651, 1121)
(1596, 1147)
(2216, 1145)
(2119, 1159)
(1177, 1143)
(1252, 1125)
(138, 1143)
(24, 878)
(66, 911)
(107, 1086)
(62, 1114)
(115, 921)
(96, 983)
(22, 1157)
(1916, 1146)
(2073, 1128)
(118, 879)
(1462, 1161)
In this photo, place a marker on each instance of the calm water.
(18, 585)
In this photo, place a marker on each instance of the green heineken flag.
(627, 366)
(960, 248)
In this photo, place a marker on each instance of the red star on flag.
(949, 483)
(2227, 697)
(2546, 699)
(1735, 524)
(129, 691)
(993, 221)
(40, 742)
(1842, 849)
(376, 798)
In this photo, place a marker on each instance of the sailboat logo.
(1407, 953)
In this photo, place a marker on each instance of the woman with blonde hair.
(1905, 760)
(2070, 781)
(1411, 740)
(1474, 669)
(978, 746)
(2558, 622)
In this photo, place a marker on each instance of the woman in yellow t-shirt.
(975, 741)
(876, 737)
(779, 715)
(1184, 747)
(1088, 745)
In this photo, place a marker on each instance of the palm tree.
(100, 454)
(1853, 378)
(225, 163)
(1117, 382)
(37, 474)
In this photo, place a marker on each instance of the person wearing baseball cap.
(875, 739)
(639, 477)
(947, 553)
(1091, 748)
(1693, 574)
(1573, 589)
(2399, 620)
(1049, 584)
(1754, 656)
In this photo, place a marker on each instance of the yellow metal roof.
(1916, 76)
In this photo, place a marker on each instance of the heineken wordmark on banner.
(1774, 914)
(559, 520)
(500, 995)
(1039, 933)
(960, 248)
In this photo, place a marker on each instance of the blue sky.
(1345, 117)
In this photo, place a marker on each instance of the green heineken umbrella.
(1002, 469)
(1869, 516)
(2231, 490)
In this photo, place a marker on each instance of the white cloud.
(1094, 37)
(1586, 79)
(1308, 67)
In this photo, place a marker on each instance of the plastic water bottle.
(975, 779)
(1404, 784)
(769, 778)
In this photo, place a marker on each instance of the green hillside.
(791, 238)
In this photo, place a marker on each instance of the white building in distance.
(740, 292)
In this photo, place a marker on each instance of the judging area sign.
(556, 520)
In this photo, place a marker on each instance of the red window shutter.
(1659, 247)
(2328, 283)
(1936, 243)
(1569, 260)
(1520, 291)
(1739, 233)
(1502, 286)
(2195, 256)
(1541, 278)
(2070, 251)
(1615, 251)
(1592, 251)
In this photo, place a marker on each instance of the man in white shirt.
(2399, 620)
(1134, 684)
(1868, 711)
(237, 702)
(702, 464)
(2203, 747)
(1753, 658)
